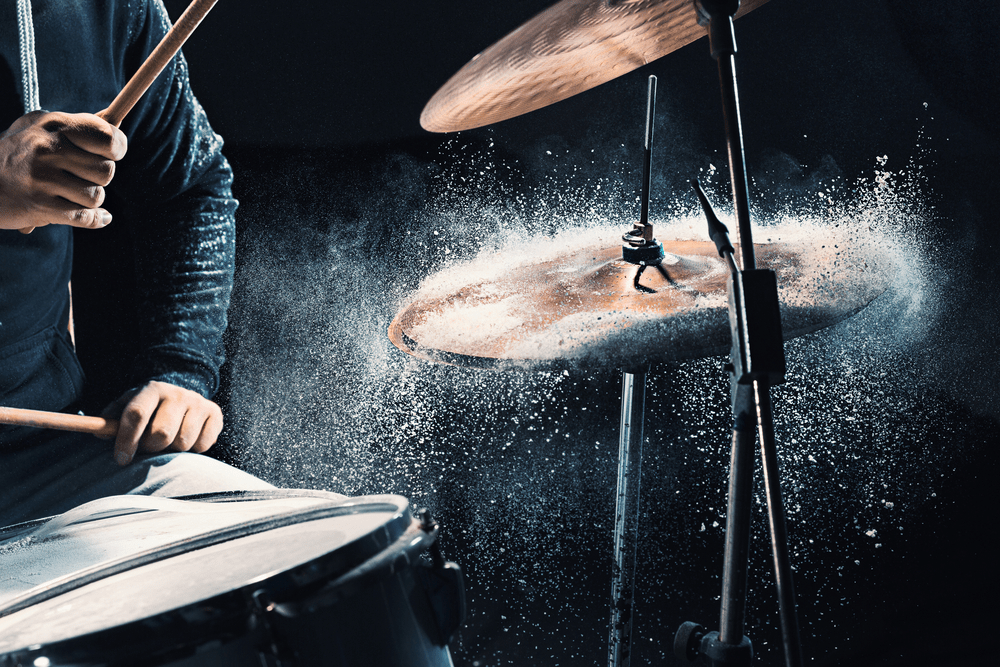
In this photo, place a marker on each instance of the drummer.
(55, 169)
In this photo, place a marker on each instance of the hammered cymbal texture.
(580, 308)
(567, 49)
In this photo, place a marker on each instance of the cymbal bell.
(582, 307)
(570, 47)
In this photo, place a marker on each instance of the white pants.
(69, 469)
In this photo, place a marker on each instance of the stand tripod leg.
(776, 519)
(729, 646)
(734, 576)
(626, 532)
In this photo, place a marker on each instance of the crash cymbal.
(567, 49)
(581, 307)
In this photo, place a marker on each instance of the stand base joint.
(693, 644)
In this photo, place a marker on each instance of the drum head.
(164, 562)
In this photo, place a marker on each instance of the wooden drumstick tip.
(158, 58)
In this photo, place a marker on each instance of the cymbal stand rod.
(722, 41)
(626, 529)
(776, 521)
(638, 245)
(723, 47)
(734, 576)
(647, 158)
(757, 360)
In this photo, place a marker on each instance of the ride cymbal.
(567, 49)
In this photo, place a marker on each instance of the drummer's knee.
(184, 473)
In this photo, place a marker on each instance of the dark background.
(887, 424)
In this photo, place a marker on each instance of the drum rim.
(17, 530)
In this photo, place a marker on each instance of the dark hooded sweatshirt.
(174, 187)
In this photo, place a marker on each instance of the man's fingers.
(68, 191)
(210, 431)
(135, 417)
(200, 428)
(190, 431)
(92, 134)
(162, 416)
(55, 168)
(75, 190)
(64, 212)
(61, 155)
(60, 211)
(165, 426)
(87, 167)
(89, 218)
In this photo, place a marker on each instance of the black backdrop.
(319, 102)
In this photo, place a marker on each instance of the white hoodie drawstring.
(29, 66)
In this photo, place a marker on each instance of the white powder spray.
(519, 467)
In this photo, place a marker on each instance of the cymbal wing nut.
(637, 250)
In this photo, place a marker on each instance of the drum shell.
(388, 624)
(381, 618)
(385, 625)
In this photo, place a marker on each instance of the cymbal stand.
(756, 362)
(638, 247)
(626, 530)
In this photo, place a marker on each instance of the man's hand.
(161, 416)
(54, 167)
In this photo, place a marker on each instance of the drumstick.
(155, 62)
(39, 419)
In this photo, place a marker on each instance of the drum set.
(312, 578)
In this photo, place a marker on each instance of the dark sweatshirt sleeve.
(178, 188)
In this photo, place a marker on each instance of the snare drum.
(252, 578)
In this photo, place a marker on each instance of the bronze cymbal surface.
(567, 49)
(581, 308)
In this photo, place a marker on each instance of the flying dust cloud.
(520, 466)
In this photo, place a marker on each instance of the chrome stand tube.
(626, 532)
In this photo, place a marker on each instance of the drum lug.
(445, 587)
(444, 584)
(273, 651)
